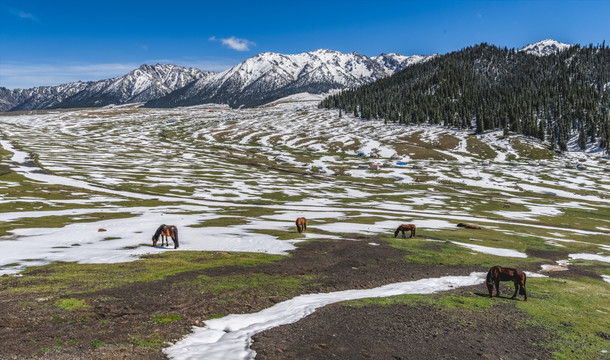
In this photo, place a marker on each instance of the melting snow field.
(228, 338)
(97, 182)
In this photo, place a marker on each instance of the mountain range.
(255, 81)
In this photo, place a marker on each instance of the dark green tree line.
(485, 87)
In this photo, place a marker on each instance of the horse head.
(156, 235)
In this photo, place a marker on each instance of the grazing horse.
(506, 205)
(166, 231)
(402, 228)
(301, 224)
(469, 226)
(497, 274)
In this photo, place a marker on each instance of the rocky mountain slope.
(140, 85)
(270, 76)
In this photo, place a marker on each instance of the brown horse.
(497, 274)
(166, 231)
(301, 224)
(405, 227)
(469, 226)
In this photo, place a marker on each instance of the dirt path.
(118, 324)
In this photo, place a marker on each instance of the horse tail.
(176, 244)
(414, 229)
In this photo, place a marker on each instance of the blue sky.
(54, 42)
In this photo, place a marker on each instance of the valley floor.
(82, 191)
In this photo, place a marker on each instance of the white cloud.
(237, 44)
(24, 15)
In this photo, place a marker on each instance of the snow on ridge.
(545, 47)
(278, 70)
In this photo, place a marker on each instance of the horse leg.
(516, 289)
(412, 233)
(404, 235)
(497, 282)
(522, 289)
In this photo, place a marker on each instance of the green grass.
(577, 310)
(268, 284)
(153, 341)
(442, 252)
(71, 304)
(289, 234)
(162, 319)
(528, 151)
(223, 221)
(96, 343)
(479, 148)
(72, 278)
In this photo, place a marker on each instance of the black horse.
(166, 231)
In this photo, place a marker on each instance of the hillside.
(544, 91)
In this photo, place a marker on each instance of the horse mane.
(158, 232)
(397, 231)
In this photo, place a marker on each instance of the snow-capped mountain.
(545, 47)
(40, 97)
(255, 81)
(270, 76)
(140, 85)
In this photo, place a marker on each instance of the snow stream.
(229, 337)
